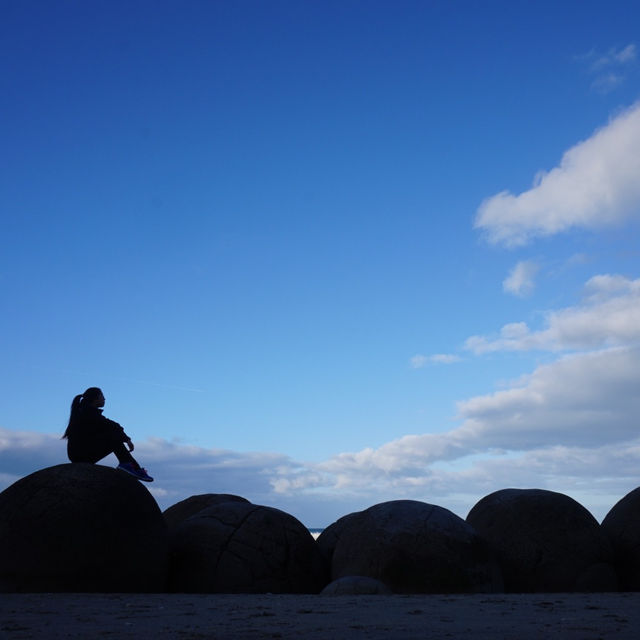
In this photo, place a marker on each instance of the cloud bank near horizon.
(570, 426)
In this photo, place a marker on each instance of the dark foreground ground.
(606, 616)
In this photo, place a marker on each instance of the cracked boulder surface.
(238, 547)
(188, 507)
(414, 547)
(545, 542)
(622, 527)
(81, 528)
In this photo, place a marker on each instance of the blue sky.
(324, 254)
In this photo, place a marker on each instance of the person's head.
(93, 396)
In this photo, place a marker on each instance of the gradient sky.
(325, 254)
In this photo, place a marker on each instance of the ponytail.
(89, 395)
(74, 409)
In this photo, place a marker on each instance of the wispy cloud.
(609, 69)
(615, 56)
(595, 185)
(521, 279)
(418, 361)
(607, 82)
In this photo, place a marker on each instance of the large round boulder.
(622, 526)
(82, 528)
(238, 547)
(329, 537)
(188, 507)
(545, 542)
(414, 547)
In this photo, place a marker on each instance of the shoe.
(142, 474)
(139, 473)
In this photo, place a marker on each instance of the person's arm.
(125, 438)
(111, 424)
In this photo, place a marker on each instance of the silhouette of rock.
(622, 526)
(598, 577)
(356, 586)
(188, 507)
(81, 527)
(544, 541)
(328, 539)
(238, 547)
(414, 547)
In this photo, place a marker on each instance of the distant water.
(315, 532)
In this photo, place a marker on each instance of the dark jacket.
(88, 424)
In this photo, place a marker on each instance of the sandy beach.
(481, 617)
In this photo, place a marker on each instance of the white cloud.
(570, 425)
(419, 361)
(521, 279)
(609, 315)
(445, 358)
(601, 287)
(596, 184)
(581, 399)
(586, 398)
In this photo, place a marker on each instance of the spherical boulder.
(81, 528)
(237, 547)
(329, 537)
(188, 507)
(356, 586)
(414, 547)
(545, 542)
(622, 527)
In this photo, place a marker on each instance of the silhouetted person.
(90, 436)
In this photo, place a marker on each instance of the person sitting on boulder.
(90, 436)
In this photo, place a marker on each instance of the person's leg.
(99, 448)
(124, 456)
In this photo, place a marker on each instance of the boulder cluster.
(90, 528)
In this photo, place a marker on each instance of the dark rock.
(356, 586)
(544, 541)
(414, 547)
(329, 537)
(597, 578)
(188, 507)
(622, 526)
(237, 547)
(82, 528)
